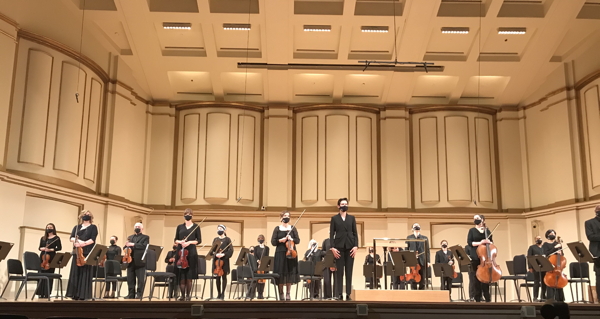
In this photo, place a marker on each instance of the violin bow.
(493, 230)
(198, 225)
(293, 226)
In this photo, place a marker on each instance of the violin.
(182, 261)
(455, 275)
(488, 271)
(291, 252)
(127, 256)
(414, 272)
(555, 278)
(46, 258)
(218, 271)
(79, 253)
(102, 261)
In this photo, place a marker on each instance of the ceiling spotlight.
(455, 30)
(177, 26)
(236, 26)
(512, 30)
(377, 29)
(317, 28)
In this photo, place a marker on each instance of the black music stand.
(443, 270)
(93, 259)
(582, 254)
(266, 265)
(215, 247)
(157, 250)
(59, 261)
(368, 272)
(462, 257)
(242, 258)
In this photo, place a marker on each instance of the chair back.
(245, 272)
(15, 267)
(519, 265)
(170, 269)
(112, 268)
(201, 266)
(150, 260)
(32, 261)
(575, 272)
(530, 277)
(234, 275)
(458, 279)
(252, 262)
(509, 267)
(305, 268)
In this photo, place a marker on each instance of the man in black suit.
(344, 242)
(423, 258)
(592, 231)
(136, 270)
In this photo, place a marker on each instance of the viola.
(45, 261)
(182, 262)
(80, 257)
(455, 275)
(290, 245)
(127, 256)
(488, 271)
(555, 278)
(218, 271)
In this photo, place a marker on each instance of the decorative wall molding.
(461, 108)
(353, 107)
(234, 105)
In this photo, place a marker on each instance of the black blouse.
(278, 234)
(475, 236)
(369, 259)
(194, 234)
(113, 253)
(90, 232)
(52, 243)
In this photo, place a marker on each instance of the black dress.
(552, 293)
(80, 278)
(52, 243)
(192, 271)
(479, 288)
(225, 242)
(286, 268)
(113, 253)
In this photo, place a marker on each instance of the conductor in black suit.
(344, 239)
(136, 270)
(592, 232)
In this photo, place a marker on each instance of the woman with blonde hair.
(80, 279)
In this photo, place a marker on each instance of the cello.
(488, 271)
(291, 252)
(218, 271)
(555, 278)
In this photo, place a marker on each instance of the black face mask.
(137, 230)
(552, 237)
(477, 221)
(112, 242)
(220, 232)
(187, 217)
(86, 218)
(260, 241)
(417, 228)
(538, 242)
(370, 251)
(444, 246)
(344, 208)
(48, 231)
(285, 220)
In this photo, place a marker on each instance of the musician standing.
(113, 253)
(223, 253)
(553, 246)
(260, 251)
(592, 231)
(538, 278)
(136, 270)
(287, 268)
(49, 245)
(344, 239)
(445, 256)
(187, 236)
(476, 237)
(372, 259)
(419, 248)
(80, 278)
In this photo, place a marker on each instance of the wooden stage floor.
(279, 309)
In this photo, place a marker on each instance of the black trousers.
(327, 292)
(344, 264)
(43, 290)
(221, 284)
(556, 294)
(446, 284)
(538, 282)
(479, 288)
(420, 284)
(136, 275)
(397, 284)
(597, 271)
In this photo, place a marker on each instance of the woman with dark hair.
(476, 237)
(187, 236)
(223, 254)
(49, 245)
(80, 279)
(550, 247)
(287, 268)
(113, 253)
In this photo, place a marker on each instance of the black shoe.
(260, 297)
(130, 297)
(348, 298)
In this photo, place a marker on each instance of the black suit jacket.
(592, 231)
(419, 247)
(441, 258)
(342, 233)
(141, 241)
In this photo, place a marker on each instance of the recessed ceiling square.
(485, 86)
(233, 6)
(435, 86)
(173, 6)
(190, 83)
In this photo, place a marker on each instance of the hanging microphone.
(239, 199)
(77, 97)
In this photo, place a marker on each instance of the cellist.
(287, 268)
(191, 231)
(223, 254)
(551, 246)
(476, 237)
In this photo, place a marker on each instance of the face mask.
(477, 221)
(48, 231)
(344, 208)
(260, 241)
(417, 228)
(286, 220)
(187, 217)
(86, 218)
(137, 230)
(538, 241)
(444, 246)
(220, 232)
(551, 237)
(112, 242)
(370, 251)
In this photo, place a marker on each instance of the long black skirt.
(80, 281)
(43, 290)
(286, 268)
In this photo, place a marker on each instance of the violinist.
(136, 270)
(113, 253)
(445, 256)
(344, 239)
(223, 254)
(260, 251)
(49, 245)
(538, 279)
(553, 246)
(187, 236)
(419, 248)
(592, 231)
(314, 255)
(80, 277)
(287, 268)
(476, 237)
(372, 259)
(327, 273)
(170, 261)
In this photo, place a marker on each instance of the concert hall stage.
(278, 309)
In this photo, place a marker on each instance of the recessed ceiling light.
(455, 30)
(377, 29)
(512, 30)
(317, 28)
(177, 26)
(236, 26)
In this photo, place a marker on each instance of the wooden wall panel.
(67, 148)
(428, 157)
(246, 155)
(189, 166)
(337, 164)
(592, 109)
(364, 155)
(93, 131)
(36, 101)
(458, 164)
(310, 154)
(483, 146)
(216, 169)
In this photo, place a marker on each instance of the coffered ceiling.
(201, 63)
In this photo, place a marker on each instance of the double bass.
(488, 270)
(555, 278)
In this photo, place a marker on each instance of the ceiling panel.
(113, 30)
(242, 86)
(485, 86)
(435, 86)
(316, 45)
(191, 85)
(310, 87)
(372, 45)
(363, 88)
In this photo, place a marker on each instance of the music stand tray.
(96, 255)
(215, 247)
(266, 264)
(443, 270)
(242, 257)
(539, 263)
(5, 249)
(460, 255)
(60, 260)
(581, 253)
(368, 271)
(157, 250)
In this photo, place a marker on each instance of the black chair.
(153, 274)
(165, 283)
(113, 273)
(529, 281)
(249, 273)
(580, 274)
(202, 276)
(238, 281)
(458, 283)
(15, 273)
(519, 272)
(306, 270)
(32, 262)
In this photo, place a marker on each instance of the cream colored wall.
(590, 107)
(8, 46)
